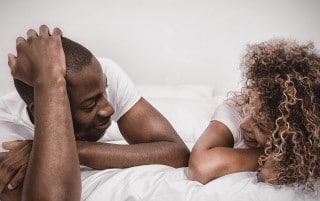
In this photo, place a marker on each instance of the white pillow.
(194, 92)
(188, 108)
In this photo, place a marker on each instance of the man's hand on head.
(39, 58)
(13, 164)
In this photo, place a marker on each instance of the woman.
(273, 125)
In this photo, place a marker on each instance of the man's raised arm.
(151, 138)
(53, 171)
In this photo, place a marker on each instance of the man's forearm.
(105, 155)
(53, 171)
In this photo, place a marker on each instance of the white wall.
(166, 41)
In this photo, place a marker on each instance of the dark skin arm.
(53, 168)
(213, 155)
(166, 149)
(151, 138)
(155, 142)
(13, 169)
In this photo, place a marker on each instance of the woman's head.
(282, 95)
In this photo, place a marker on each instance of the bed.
(189, 109)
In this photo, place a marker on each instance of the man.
(97, 95)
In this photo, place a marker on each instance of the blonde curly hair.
(283, 76)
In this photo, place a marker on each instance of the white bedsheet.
(189, 109)
(164, 183)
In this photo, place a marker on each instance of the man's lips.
(104, 125)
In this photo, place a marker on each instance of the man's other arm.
(151, 138)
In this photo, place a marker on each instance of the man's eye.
(90, 107)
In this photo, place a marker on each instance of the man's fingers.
(20, 40)
(18, 178)
(57, 32)
(31, 33)
(11, 144)
(20, 44)
(44, 30)
(2, 186)
(13, 163)
(12, 60)
(2, 154)
(5, 177)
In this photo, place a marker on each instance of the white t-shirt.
(227, 114)
(16, 125)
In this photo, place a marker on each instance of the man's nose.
(106, 109)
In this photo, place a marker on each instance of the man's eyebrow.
(88, 99)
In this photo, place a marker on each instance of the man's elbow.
(182, 154)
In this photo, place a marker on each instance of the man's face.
(91, 111)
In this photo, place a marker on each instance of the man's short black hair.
(77, 57)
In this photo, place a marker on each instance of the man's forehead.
(86, 79)
(92, 71)
(87, 82)
(83, 88)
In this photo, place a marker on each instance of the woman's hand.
(267, 173)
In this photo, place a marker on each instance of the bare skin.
(213, 155)
(151, 138)
(255, 137)
(53, 168)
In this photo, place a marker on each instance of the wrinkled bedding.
(159, 183)
(189, 109)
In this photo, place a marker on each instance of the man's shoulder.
(112, 69)
(11, 105)
(107, 64)
(14, 120)
(121, 90)
(10, 99)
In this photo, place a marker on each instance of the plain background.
(164, 42)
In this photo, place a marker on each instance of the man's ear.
(31, 110)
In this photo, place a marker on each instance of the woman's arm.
(213, 155)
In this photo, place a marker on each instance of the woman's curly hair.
(283, 77)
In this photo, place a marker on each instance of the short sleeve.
(121, 91)
(227, 114)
